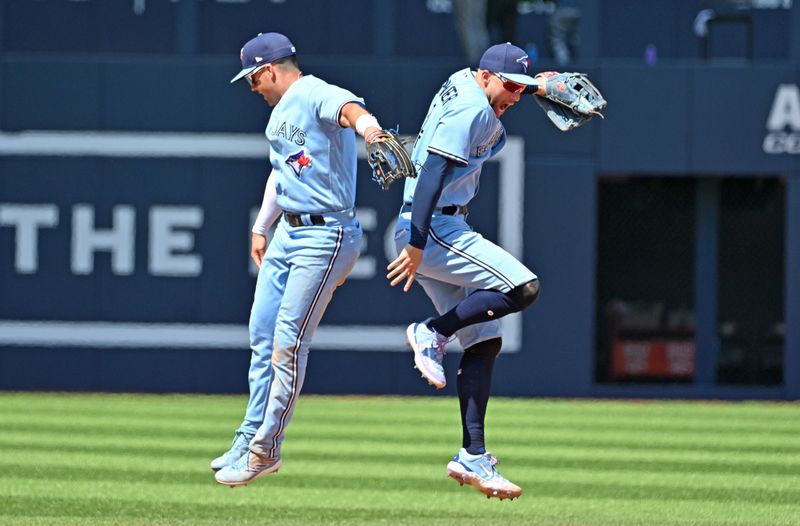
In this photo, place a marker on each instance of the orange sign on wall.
(653, 358)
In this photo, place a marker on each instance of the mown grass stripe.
(555, 409)
(146, 445)
(600, 418)
(707, 444)
(552, 511)
(553, 461)
(699, 430)
(154, 481)
(533, 452)
(595, 491)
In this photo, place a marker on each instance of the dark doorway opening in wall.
(647, 272)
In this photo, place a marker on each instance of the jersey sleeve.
(329, 100)
(455, 133)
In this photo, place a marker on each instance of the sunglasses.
(509, 85)
(250, 76)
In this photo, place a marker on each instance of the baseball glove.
(570, 99)
(388, 158)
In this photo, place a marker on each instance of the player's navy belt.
(295, 219)
(450, 210)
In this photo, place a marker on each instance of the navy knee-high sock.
(481, 305)
(474, 384)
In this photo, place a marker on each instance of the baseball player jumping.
(471, 281)
(314, 248)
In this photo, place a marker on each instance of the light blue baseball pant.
(458, 261)
(301, 269)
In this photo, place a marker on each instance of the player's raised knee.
(524, 295)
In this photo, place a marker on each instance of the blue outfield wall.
(181, 223)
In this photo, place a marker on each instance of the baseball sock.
(473, 383)
(480, 306)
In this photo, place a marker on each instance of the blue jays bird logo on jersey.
(298, 161)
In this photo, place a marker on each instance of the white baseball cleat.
(238, 447)
(248, 468)
(428, 346)
(479, 472)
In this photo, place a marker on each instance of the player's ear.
(269, 72)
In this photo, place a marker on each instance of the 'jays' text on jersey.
(461, 127)
(313, 157)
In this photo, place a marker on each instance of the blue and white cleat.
(248, 468)
(479, 472)
(428, 346)
(238, 447)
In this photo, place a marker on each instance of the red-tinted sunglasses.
(249, 76)
(509, 85)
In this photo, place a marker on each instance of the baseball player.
(315, 246)
(471, 281)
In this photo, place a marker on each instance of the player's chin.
(501, 109)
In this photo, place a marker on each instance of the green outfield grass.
(139, 459)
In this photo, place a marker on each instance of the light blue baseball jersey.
(314, 162)
(460, 126)
(313, 157)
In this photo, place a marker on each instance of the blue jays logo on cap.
(263, 49)
(298, 161)
(509, 61)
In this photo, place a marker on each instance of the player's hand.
(258, 246)
(540, 87)
(405, 267)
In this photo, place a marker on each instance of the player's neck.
(285, 81)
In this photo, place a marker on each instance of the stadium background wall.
(179, 219)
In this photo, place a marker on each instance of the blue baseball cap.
(509, 61)
(261, 50)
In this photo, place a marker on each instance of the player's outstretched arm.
(386, 154)
(355, 116)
